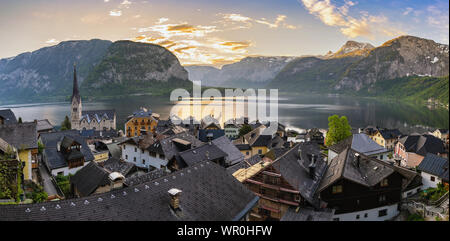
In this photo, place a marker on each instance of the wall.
(257, 148)
(25, 156)
(129, 153)
(413, 191)
(66, 171)
(426, 180)
(372, 214)
(132, 129)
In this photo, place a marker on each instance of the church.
(92, 119)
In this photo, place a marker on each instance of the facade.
(23, 137)
(386, 138)
(65, 152)
(410, 150)
(231, 131)
(87, 120)
(142, 121)
(245, 149)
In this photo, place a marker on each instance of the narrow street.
(48, 185)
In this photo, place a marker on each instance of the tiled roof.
(307, 214)
(55, 159)
(8, 116)
(244, 164)
(203, 134)
(390, 133)
(202, 153)
(20, 135)
(422, 144)
(117, 165)
(169, 149)
(89, 178)
(434, 164)
(44, 125)
(234, 155)
(360, 143)
(147, 177)
(209, 193)
(98, 115)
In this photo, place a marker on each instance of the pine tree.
(66, 125)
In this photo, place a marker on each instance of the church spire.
(75, 93)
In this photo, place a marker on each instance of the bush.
(415, 217)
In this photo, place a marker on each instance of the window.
(135, 149)
(365, 215)
(134, 159)
(337, 189)
(124, 147)
(126, 157)
(259, 152)
(382, 198)
(357, 216)
(142, 150)
(384, 182)
(143, 161)
(247, 153)
(382, 213)
(432, 178)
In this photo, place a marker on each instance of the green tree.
(66, 125)
(244, 130)
(338, 129)
(20, 120)
(41, 147)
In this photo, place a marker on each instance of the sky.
(213, 32)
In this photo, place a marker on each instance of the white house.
(434, 170)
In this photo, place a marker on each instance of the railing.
(428, 211)
(440, 200)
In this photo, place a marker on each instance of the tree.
(244, 130)
(338, 129)
(66, 125)
(20, 120)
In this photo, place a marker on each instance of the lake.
(301, 111)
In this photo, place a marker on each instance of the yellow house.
(258, 141)
(386, 138)
(23, 137)
(140, 121)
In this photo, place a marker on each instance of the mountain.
(249, 72)
(359, 66)
(131, 67)
(104, 68)
(48, 71)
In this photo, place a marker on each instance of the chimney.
(358, 159)
(175, 198)
(312, 167)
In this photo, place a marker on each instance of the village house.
(362, 188)
(361, 143)
(386, 138)
(315, 135)
(148, 152)
(93, 179)
(139, 122)
(443, 135)
(44, 126)
(65, 152)
(245, 150)
(231, 130)
(7, 117)
(410, 150)
(92, 119)
(434, 170)
(289, 181)
(23, 137)
(259, 139)
(180, 196)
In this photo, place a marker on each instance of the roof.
(89, 178)
(390, 133)
(422, 144)
(434, 164)
(147, 177)
(114, 150)
(99, 133)
(169, 149)
(294, 169)
(205, 134)
(98, 115)
(44, 125)
(224, 144)
(116, 165)
(244, 164)
(21, 136)
(360, 143)
(443, 131)
(8, 116)
(67, 142)
(142, 113)
(243, 147)
(4, 146)
(75, 91)
(202, 153)
(55, 159)
(307, 214)
(200, 200)
(258, 137)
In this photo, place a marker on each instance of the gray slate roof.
(148, 177)
(90, 115)
(20, 135)
(244, 164)
(202, 153)
(422, 144)
(116, 165)
(89, 178)
(234, 155)
(293, 169)
(208, 194)
(434, 164)
(44, 125)
(360, 143)
(55, 159)
(8, 116)
(169, 149)
(307, 214)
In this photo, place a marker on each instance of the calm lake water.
(294, 111)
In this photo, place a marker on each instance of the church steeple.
(75, 93)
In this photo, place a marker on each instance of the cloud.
(52, 41)
(182, 29)
(338, 16)
(115, 13)
(162, 20)
(234, 18)
(439, 21)
(407, 11)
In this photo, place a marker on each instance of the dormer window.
(337, 189)
(384, 182)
